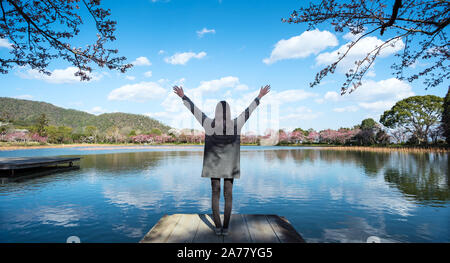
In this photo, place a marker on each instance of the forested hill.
(25, 112)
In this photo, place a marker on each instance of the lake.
(117, 195)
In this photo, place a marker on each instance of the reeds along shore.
(406, 149)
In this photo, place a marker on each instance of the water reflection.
(329, 196)
(422, 176)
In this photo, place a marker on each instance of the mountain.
(25, 112)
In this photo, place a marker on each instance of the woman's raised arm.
(198, 114)
(243, 117)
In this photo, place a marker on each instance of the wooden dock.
(199, 228)
(16, 168)
(16, 163)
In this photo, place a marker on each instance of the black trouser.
(228, 196)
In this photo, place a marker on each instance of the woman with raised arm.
(221, 158)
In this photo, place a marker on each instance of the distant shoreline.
(93, 146)
(98, 146)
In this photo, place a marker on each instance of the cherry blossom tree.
(41, 31)
(421, 24)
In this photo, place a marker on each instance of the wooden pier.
(15, 168)
(199, 228)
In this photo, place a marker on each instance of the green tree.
(155, 131)
(367, 135)
(368, 124)
(418, 115)
(381, 137)
(302, 131)
(91, 131)
(42, 122)
(446, 117)
(61, 134)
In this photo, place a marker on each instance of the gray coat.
(221, 157)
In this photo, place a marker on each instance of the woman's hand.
(179, 91)
(263, 91)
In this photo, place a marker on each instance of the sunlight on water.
(328, 196)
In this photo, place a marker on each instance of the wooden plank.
(199, 228)
(260, 229)
(162, 230)
(205, 231)
(284, 230)
(237, 231)
(184, 231)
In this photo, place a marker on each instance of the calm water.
(328, 196)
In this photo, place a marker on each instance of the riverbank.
(99, 146)
(413, 149)
(89, 146)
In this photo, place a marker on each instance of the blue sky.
(220, 50)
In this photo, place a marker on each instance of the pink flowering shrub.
(297, 137)
(15, 137)
(313, 137)
(37, 138)
(142, 138)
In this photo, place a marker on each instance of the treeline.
(417, 120)
(369, 132)
(23, 114)
(43, 133)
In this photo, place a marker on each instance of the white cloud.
(97, 110)
(357, 52)
(139, 92)
(241, 87)
(141, 61)
(372, 95)
(351, 37)
(346, 109)
(183, 58)
(148, 74)
(163, 81)
(24, 97)
(160, 52)
(301, 46)
(217, 84)
(130, 77)
(179, 82)
(204, 31)
(291, 95)
(300, 114)
(371, 73)
(58, 76)
(332, 95)
(5, 43)
(319, 100)
(377, 105)
(162, 114)
(391, 89)
(208, 93)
